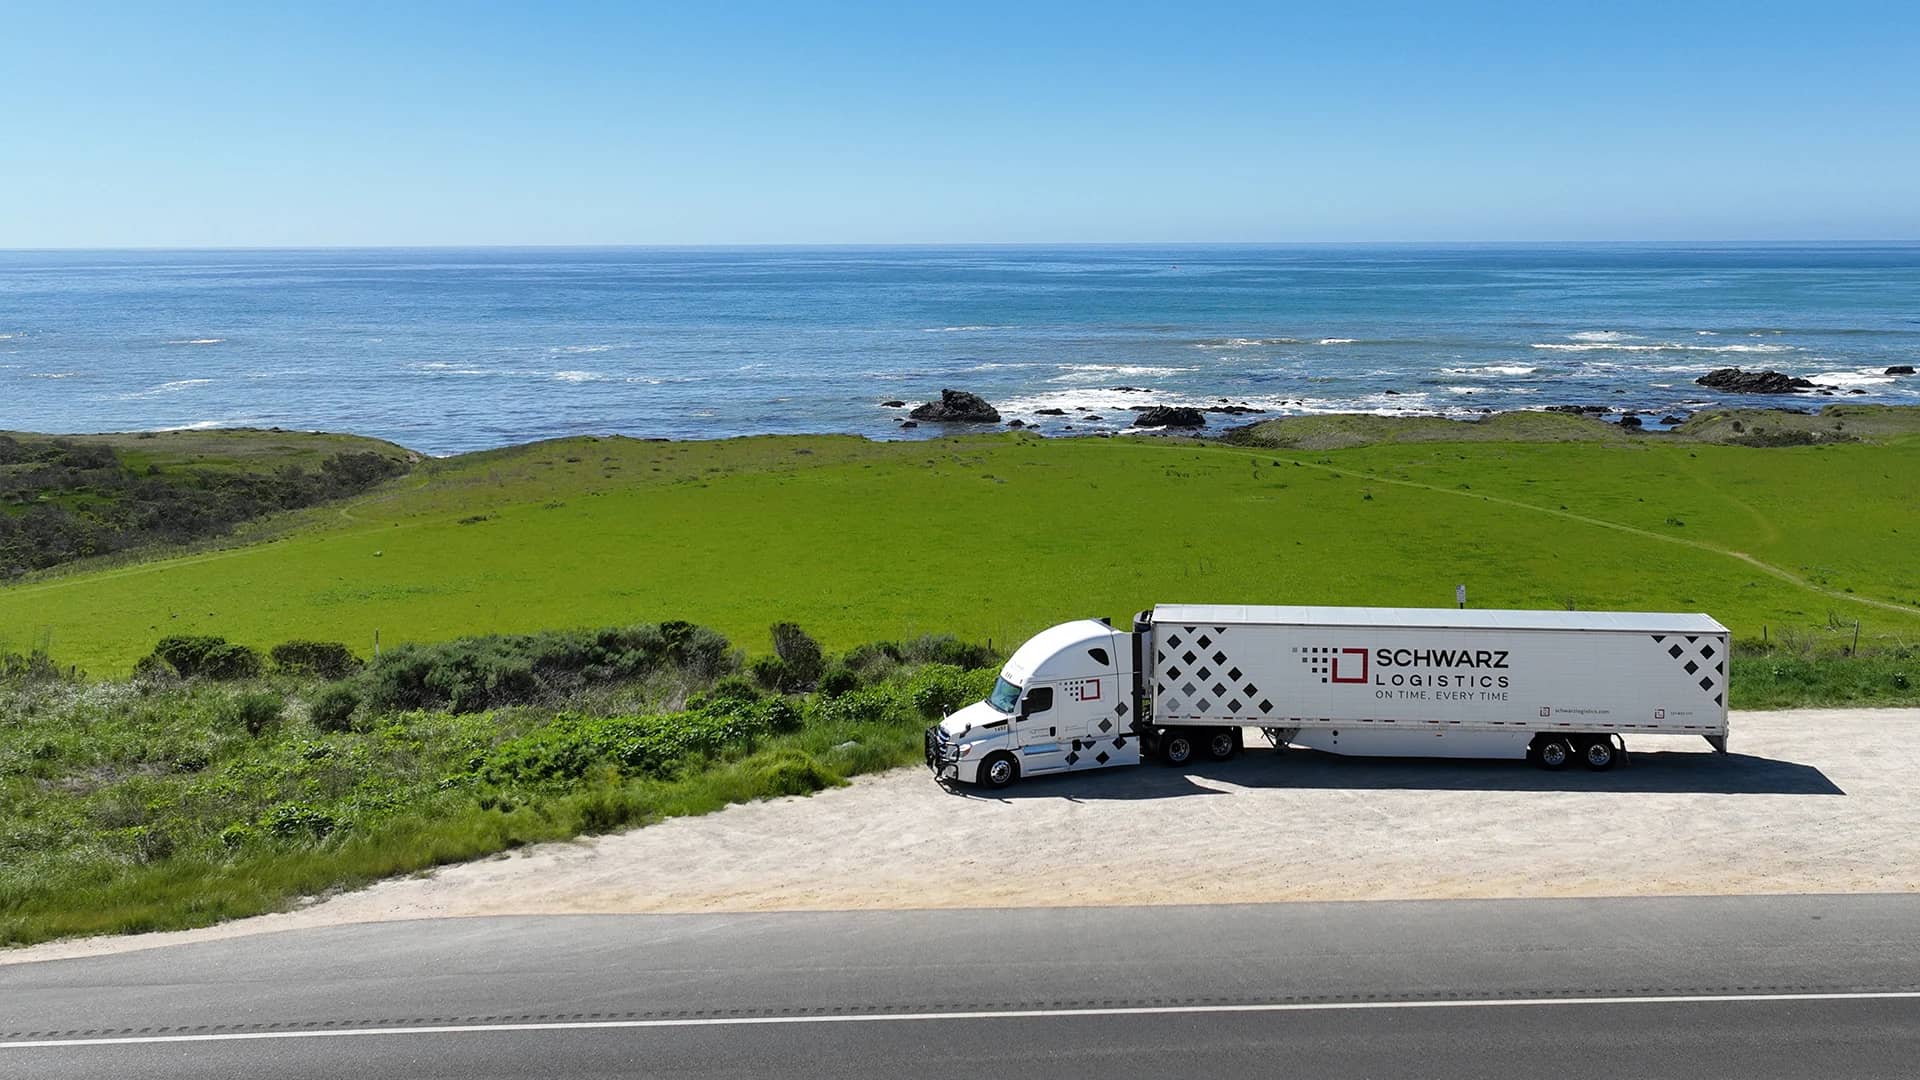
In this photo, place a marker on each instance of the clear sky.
(714, 123)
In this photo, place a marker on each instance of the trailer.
(1188, 681)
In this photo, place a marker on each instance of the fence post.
(1855, 651)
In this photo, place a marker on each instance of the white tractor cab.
(1064, 702)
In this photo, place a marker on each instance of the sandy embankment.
(1813, 801)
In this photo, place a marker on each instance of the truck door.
(1036, 726)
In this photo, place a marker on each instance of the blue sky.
(339, 124)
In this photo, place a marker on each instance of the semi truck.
(1188, 681)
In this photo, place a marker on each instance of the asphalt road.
(1696, 987)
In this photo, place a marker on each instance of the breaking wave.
(1665, 346)
(198, 341)
(173, 387)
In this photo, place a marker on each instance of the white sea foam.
(198, 341)
(1665, 346)
(957, 329)
(1599, 335)
(1860, 377)
(579, 376)
(1245, 343)
(1336, 341)
(209, 425)
(1491, 369)
(1081, 372)
(53, 375)
(581, 349)
(1707, 333)
(173, 387)
(8, 337)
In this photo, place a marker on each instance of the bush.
(940, 688)
(333, 707)
(319, 659)
(208, 657)
(256, 711)
(837, 680)
(473, 674)
(769, 673)
(793, 772)
(571, 746)
(800, 653)
(947, 649)
(33, 667)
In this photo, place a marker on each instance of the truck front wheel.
(1176, 748)
(999, 770)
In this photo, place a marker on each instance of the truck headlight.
(965, 749)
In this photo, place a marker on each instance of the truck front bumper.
(943, 757)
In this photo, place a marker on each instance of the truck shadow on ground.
(1654, 772)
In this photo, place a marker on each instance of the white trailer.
(1189, 679)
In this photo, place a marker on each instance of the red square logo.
(1344, 669)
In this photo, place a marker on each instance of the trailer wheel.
(1552, 754)
(1223, 745)
(999, 770)
(1176, 748)
(1599, 753)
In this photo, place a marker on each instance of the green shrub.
(203, 656)
(318, 659)
(256, 711)
(793, 772)
(333, 707)
(569, 747)
(297, 821)
(473, 674)
(837, 680)
(800, 653)
(769, 673)
(17, 669)
(940, 688)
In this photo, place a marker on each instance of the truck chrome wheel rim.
(1222, 745)
(1553, 753)
(1599, 753)
(999, 772)
(1179, 750)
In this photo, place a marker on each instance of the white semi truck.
(1553, 687)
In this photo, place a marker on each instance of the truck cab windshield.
(1004, 695)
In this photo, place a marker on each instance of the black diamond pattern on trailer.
(1101, 757)
(1696, 656)
(1106, 725)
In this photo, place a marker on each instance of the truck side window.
(1039, 700)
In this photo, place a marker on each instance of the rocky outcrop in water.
(1732, 380)
(1900, 369)
(1169, 416)
(958, 407)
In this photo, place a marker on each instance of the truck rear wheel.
(999, 770)
(1599, 753)
(1552, 754)
(1223, 744)
(1176, 748)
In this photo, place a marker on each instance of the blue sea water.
(447, 350)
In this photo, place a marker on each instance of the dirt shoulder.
(1816, 800)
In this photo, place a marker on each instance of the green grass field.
(998, 536)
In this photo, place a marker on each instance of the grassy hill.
(998, 536)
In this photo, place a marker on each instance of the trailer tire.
(1223, 744)
(1552, 753)
(999, 770)
(1599, 754)
(1176, 748)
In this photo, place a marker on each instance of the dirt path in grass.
(1819, 800)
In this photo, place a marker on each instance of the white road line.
(1009, 1014)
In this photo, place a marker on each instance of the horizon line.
(910, 244)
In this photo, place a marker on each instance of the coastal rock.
(1732, 380)
(1169, 416)
(1629, 421)
(958, 407)
(896, 403)
(908, 424)
(1900, 369)
(1670, 419)
(1050, 412)
(1093, 417)
(1016, 423)
(1233, 410)
(1131, 390)
(1856, 390)
(1579, 410)
(1391, 393)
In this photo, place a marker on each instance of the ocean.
(447, 350)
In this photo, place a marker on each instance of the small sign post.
(1460, 595)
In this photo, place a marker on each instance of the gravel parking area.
(1816, 800)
